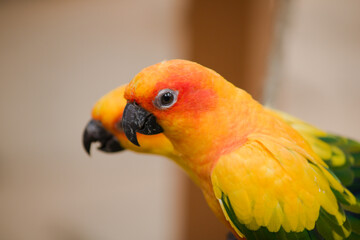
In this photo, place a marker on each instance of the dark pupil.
(167, 98)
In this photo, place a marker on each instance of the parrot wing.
(342, 155)
(270, 188)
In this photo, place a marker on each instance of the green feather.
(346, 175)
(354, 236)
(354, 220)
(329, 228)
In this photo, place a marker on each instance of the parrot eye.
(165, 98)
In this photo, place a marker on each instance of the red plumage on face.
(195, 93)
(191, 97)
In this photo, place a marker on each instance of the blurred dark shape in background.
(234, 38)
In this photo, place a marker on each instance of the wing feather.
(271, 185)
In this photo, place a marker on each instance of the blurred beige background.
(58, 57)
(318, 77)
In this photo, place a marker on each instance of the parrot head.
(105, 127)
(185, 101)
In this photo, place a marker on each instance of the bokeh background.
(58, 57)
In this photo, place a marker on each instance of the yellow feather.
(322, 149)
(244, 207)
(270, 205)
(338, 158)
(276, 220)
(291, 214)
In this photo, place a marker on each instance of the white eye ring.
(165, 99)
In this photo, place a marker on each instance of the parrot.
(264, 173)
(105, 127)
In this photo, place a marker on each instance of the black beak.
(136, 119)
(95, 132)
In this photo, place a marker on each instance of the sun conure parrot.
(257, 173)
(105, 127)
